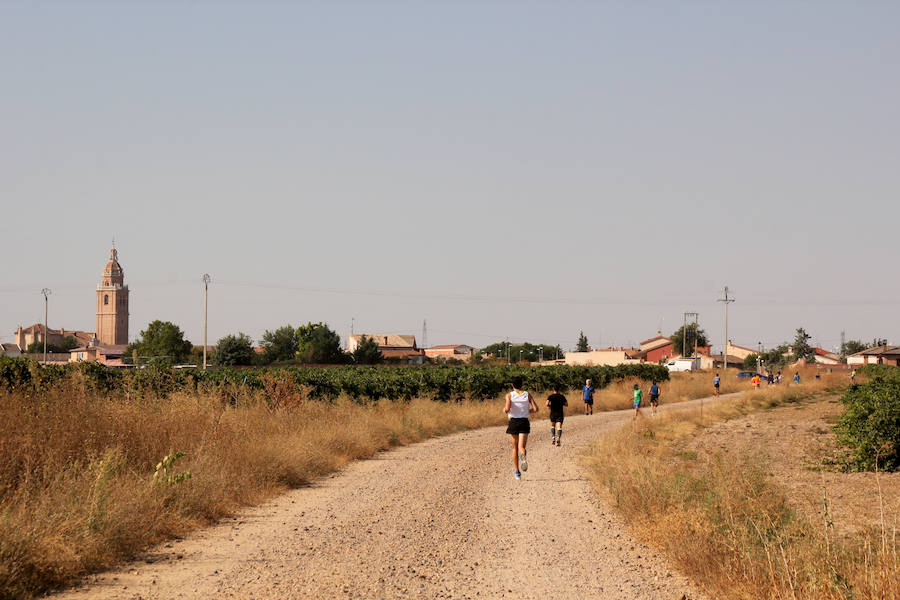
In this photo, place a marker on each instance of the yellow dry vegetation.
(77, 491)
(725, 522)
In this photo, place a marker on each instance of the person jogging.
(638, 398)
(556, 402)
(797, 377)
(519, 405)
(654, 399)
(716, 382)
(588, 393)
(754, 381)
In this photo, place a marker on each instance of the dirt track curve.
(440, 519)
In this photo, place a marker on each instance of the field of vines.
(364, 384)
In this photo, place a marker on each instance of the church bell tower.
(112, 304)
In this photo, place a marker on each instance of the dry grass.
(725, 523)
(76, 470)
(682, 386)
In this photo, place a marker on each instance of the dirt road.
(440, 519)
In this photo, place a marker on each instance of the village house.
(877, 355)
(656, 349)
(824, 357)
(393, 347)
(111, 356)
(35, 333)
(740, 352)
(456, 351)
(604, 357)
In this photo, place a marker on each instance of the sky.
(521, 170)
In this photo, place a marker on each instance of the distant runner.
(755, 381)
(588, 394)
(638, 398)
(716, 383)
(797, 377)
(519, 405)
(654, 399)
(556, 402)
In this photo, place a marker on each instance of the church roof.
(113, 267)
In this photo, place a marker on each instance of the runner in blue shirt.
(654, 399)
(588, 397)
(716, 383)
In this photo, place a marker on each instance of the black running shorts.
(518, 425)
(654, 398)
(556, 417)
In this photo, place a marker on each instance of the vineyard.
(362, 384)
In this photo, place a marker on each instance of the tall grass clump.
(726, 523)
(88, 479)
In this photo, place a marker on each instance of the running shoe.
(523, 462)
(518, 476)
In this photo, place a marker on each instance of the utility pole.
(727, 301)
(206, 280)
(45, 292)
(507, 350)
(424, 333)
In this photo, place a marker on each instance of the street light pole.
(206, 279)
(45, 292)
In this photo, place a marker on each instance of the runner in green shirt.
(638, 397)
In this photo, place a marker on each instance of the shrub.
(870, 424)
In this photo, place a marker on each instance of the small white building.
(604, 357)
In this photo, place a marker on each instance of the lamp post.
(45, 292)
(206, 280)
(520, 355)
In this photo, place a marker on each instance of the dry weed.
(77, 492)
(724, 521)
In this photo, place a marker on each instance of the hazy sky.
(520, 169)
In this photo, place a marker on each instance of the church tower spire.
(112, 303)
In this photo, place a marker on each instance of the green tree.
(852, 347)
(67, 343)
(684, 336)
(496, 351)
(582, 345)
(281, 344)
(37, 347)
(750, 363)
(162, 339)
(234, 350)
(319, 344)
(802, 349)
(367, 352)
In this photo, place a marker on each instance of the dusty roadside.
(440, 519)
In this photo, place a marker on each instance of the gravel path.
(440, 519)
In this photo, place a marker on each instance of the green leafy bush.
(870, 425)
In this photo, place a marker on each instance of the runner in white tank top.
(519, 405)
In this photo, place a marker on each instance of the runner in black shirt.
(556, 402)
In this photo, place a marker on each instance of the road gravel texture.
(440, 519)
